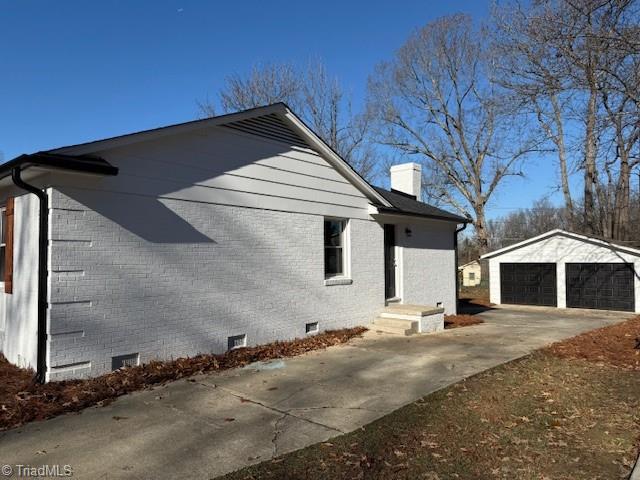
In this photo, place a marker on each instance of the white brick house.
(240, 229)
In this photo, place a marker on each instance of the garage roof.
(559, 232)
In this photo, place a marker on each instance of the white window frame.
(345, 276)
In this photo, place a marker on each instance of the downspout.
(455, 248)
(43, 241)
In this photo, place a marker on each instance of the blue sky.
(74, 71)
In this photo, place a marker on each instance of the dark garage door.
(528, 284)
(606, 286)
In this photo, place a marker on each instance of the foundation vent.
(237, 341)
(312, 327)
(122, 361)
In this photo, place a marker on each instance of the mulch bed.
(617, 345)
(22, 400)
(457, 321)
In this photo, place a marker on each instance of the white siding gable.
(222, 166)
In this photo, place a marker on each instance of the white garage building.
(566, 270)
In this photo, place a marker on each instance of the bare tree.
(314, 95)
(437, 101)
(528, 65)
(526, 223)
(620, 98)
(265, 84)
(576, 63)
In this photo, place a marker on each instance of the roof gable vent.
(271, 127)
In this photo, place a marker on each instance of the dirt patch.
(617, 345)
(457, 321)
(481, 294)
(22, 400)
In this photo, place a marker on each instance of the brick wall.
(428, 263)
(168, 278)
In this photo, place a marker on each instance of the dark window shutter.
(8, 251)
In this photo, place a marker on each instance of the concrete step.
(399, 316)
(396, 322)
(410, 310)
(394, 326)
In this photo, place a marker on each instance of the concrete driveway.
(214, 424)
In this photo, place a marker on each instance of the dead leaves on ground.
(612, 345)
(22, 400)
(464, 320)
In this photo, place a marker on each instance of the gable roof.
(275, 121)
(405, 204)
(559, 232)
(469, 263)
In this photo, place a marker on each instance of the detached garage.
(566, 270)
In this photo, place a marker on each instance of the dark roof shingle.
(405, 204)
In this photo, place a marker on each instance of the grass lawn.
(571, 411)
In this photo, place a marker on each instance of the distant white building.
(471, 273)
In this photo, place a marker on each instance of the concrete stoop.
(407, 320)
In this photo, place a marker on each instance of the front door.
(390, 261)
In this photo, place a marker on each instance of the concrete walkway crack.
(339, 408)
(276, 433)
(277, 410)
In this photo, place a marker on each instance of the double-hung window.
(335, 253)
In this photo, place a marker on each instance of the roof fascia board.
(394, 212)
(553, 233)
(145, 135)
(51, 163)
(384, 214)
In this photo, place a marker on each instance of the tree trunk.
(622, 210)
(590, 175)
(562, 159)
(482, 235)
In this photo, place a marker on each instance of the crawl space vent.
(237, 341)
(130, 360)
(311, 327)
